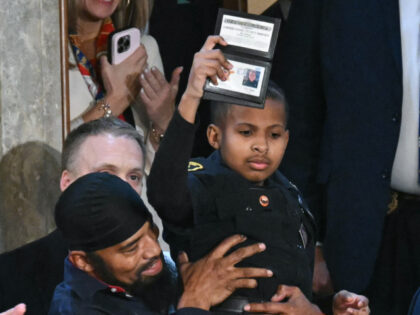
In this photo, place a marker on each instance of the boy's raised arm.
(167, 184)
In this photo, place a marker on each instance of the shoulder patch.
(194, 166)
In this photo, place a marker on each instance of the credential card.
(247, 33)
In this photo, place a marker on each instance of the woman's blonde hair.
(132, 13)
(129, 13)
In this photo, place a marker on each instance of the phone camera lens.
(123, 43)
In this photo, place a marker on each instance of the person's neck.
(88, 29)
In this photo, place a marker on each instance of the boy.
(237, 189)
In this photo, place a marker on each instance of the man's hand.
(19, 309)
(288, 300)
(158, 96)
(207, 63)
(346, 303)
(321, 282)
(212, 279)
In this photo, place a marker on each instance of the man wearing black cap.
(30, 273)
(115, 264)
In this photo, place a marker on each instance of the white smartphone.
(121, 44)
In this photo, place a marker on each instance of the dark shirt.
(30, 273)
(81, 293)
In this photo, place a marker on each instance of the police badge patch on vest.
(194, 166)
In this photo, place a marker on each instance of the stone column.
(30, 119)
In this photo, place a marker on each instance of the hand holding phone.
(121, 44)
(120, 70)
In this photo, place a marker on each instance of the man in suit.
(350, 70)
(415, 304)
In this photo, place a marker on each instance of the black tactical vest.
(225, 204)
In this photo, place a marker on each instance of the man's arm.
(212, 279)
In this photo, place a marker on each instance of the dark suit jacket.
(181, 30)
(415, 304)
(340, 66)
(30, 273)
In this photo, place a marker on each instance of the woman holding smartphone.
(135, 89)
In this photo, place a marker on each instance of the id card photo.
(243, 78)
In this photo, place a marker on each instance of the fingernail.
(154, 68)
(142, 75)
(247, 307)
(142, 91)
(230, 66)
(269, 273)
(146, 70)
(262, 246)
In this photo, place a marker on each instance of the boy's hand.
(208, 62)
(210, 280)
(288, 300)
(346, 303)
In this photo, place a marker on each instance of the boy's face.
(252, 141)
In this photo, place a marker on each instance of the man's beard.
(157, 292)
